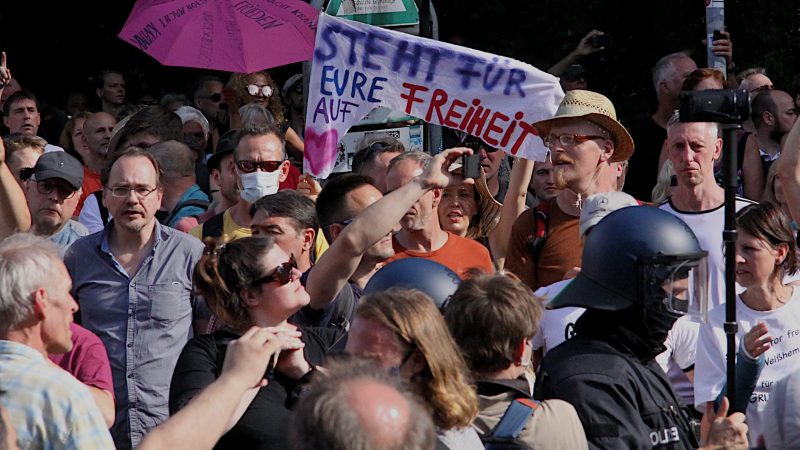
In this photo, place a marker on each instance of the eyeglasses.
(124, 192)
(282, 274)
(343, 223)
(246, 166)
(47, 187)
(569, 140)
(254, 89)
(766, 87)
(476, 145)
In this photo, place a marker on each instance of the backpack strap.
(198, 203)
(541, 217)
(517, 415)
(98, 195)
(213, 226)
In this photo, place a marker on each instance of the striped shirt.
(48, 408)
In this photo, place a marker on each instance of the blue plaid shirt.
(48, 408)
(144, 319)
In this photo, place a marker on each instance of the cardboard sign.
(358, 67)
(382, 13)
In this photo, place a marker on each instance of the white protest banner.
(359, 67)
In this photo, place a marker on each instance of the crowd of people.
(169, 279)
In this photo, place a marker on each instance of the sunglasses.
(282, 274)
(476, 145)
(254, 89)
(246, 166)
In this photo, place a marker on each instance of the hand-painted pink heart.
(320, 150)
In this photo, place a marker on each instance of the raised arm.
(513, 206)
(584, 48)
(340, 261)
(789, 171)
(14, 214)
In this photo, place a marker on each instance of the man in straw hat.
(588, 147)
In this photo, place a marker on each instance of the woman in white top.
(768, 312)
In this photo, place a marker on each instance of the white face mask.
(258, 184)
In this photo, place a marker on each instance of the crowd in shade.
(170, 279)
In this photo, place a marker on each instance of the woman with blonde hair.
(404, 332)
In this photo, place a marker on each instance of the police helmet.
(435, 280)
(640, 255)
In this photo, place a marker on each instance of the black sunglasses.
(476, 145)
(282, 274)
(213, 97)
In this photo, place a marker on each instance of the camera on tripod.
(715, 105)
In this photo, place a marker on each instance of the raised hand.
(5, 74)
(437, 175)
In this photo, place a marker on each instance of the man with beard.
(773, 114)
(358, 221)
(607, 371)
(133, 281)
(421, 235)
(586, 144)
(52, 192)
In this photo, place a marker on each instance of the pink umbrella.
(229, 35)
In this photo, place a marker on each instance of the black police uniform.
(622, 403)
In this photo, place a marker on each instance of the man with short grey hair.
(46, 405)
(356, 405)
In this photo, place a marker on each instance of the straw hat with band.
(595, 108)
(489, 207)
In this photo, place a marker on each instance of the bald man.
(356, 405)
(182, 196)
(96, 135)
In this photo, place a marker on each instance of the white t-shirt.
(782, 359)
(679, 357)
(708, 226)
(90, 215)
(557, 325)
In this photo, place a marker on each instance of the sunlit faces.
(57, 311)
(24, 158)
(786, 114)
(490, 161)
(423, 213)
(360, 199)
(97, 131)
(77, 137)
(23, 117)
(133, 211)
(370, 339)
(278, 300)
(50, 208)
(577, 166)
(377, 169)
(457, 209)
(259, 80)
(757, 260)
(692, 149)
(283, 229)
(543, 181)
(113, 90)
